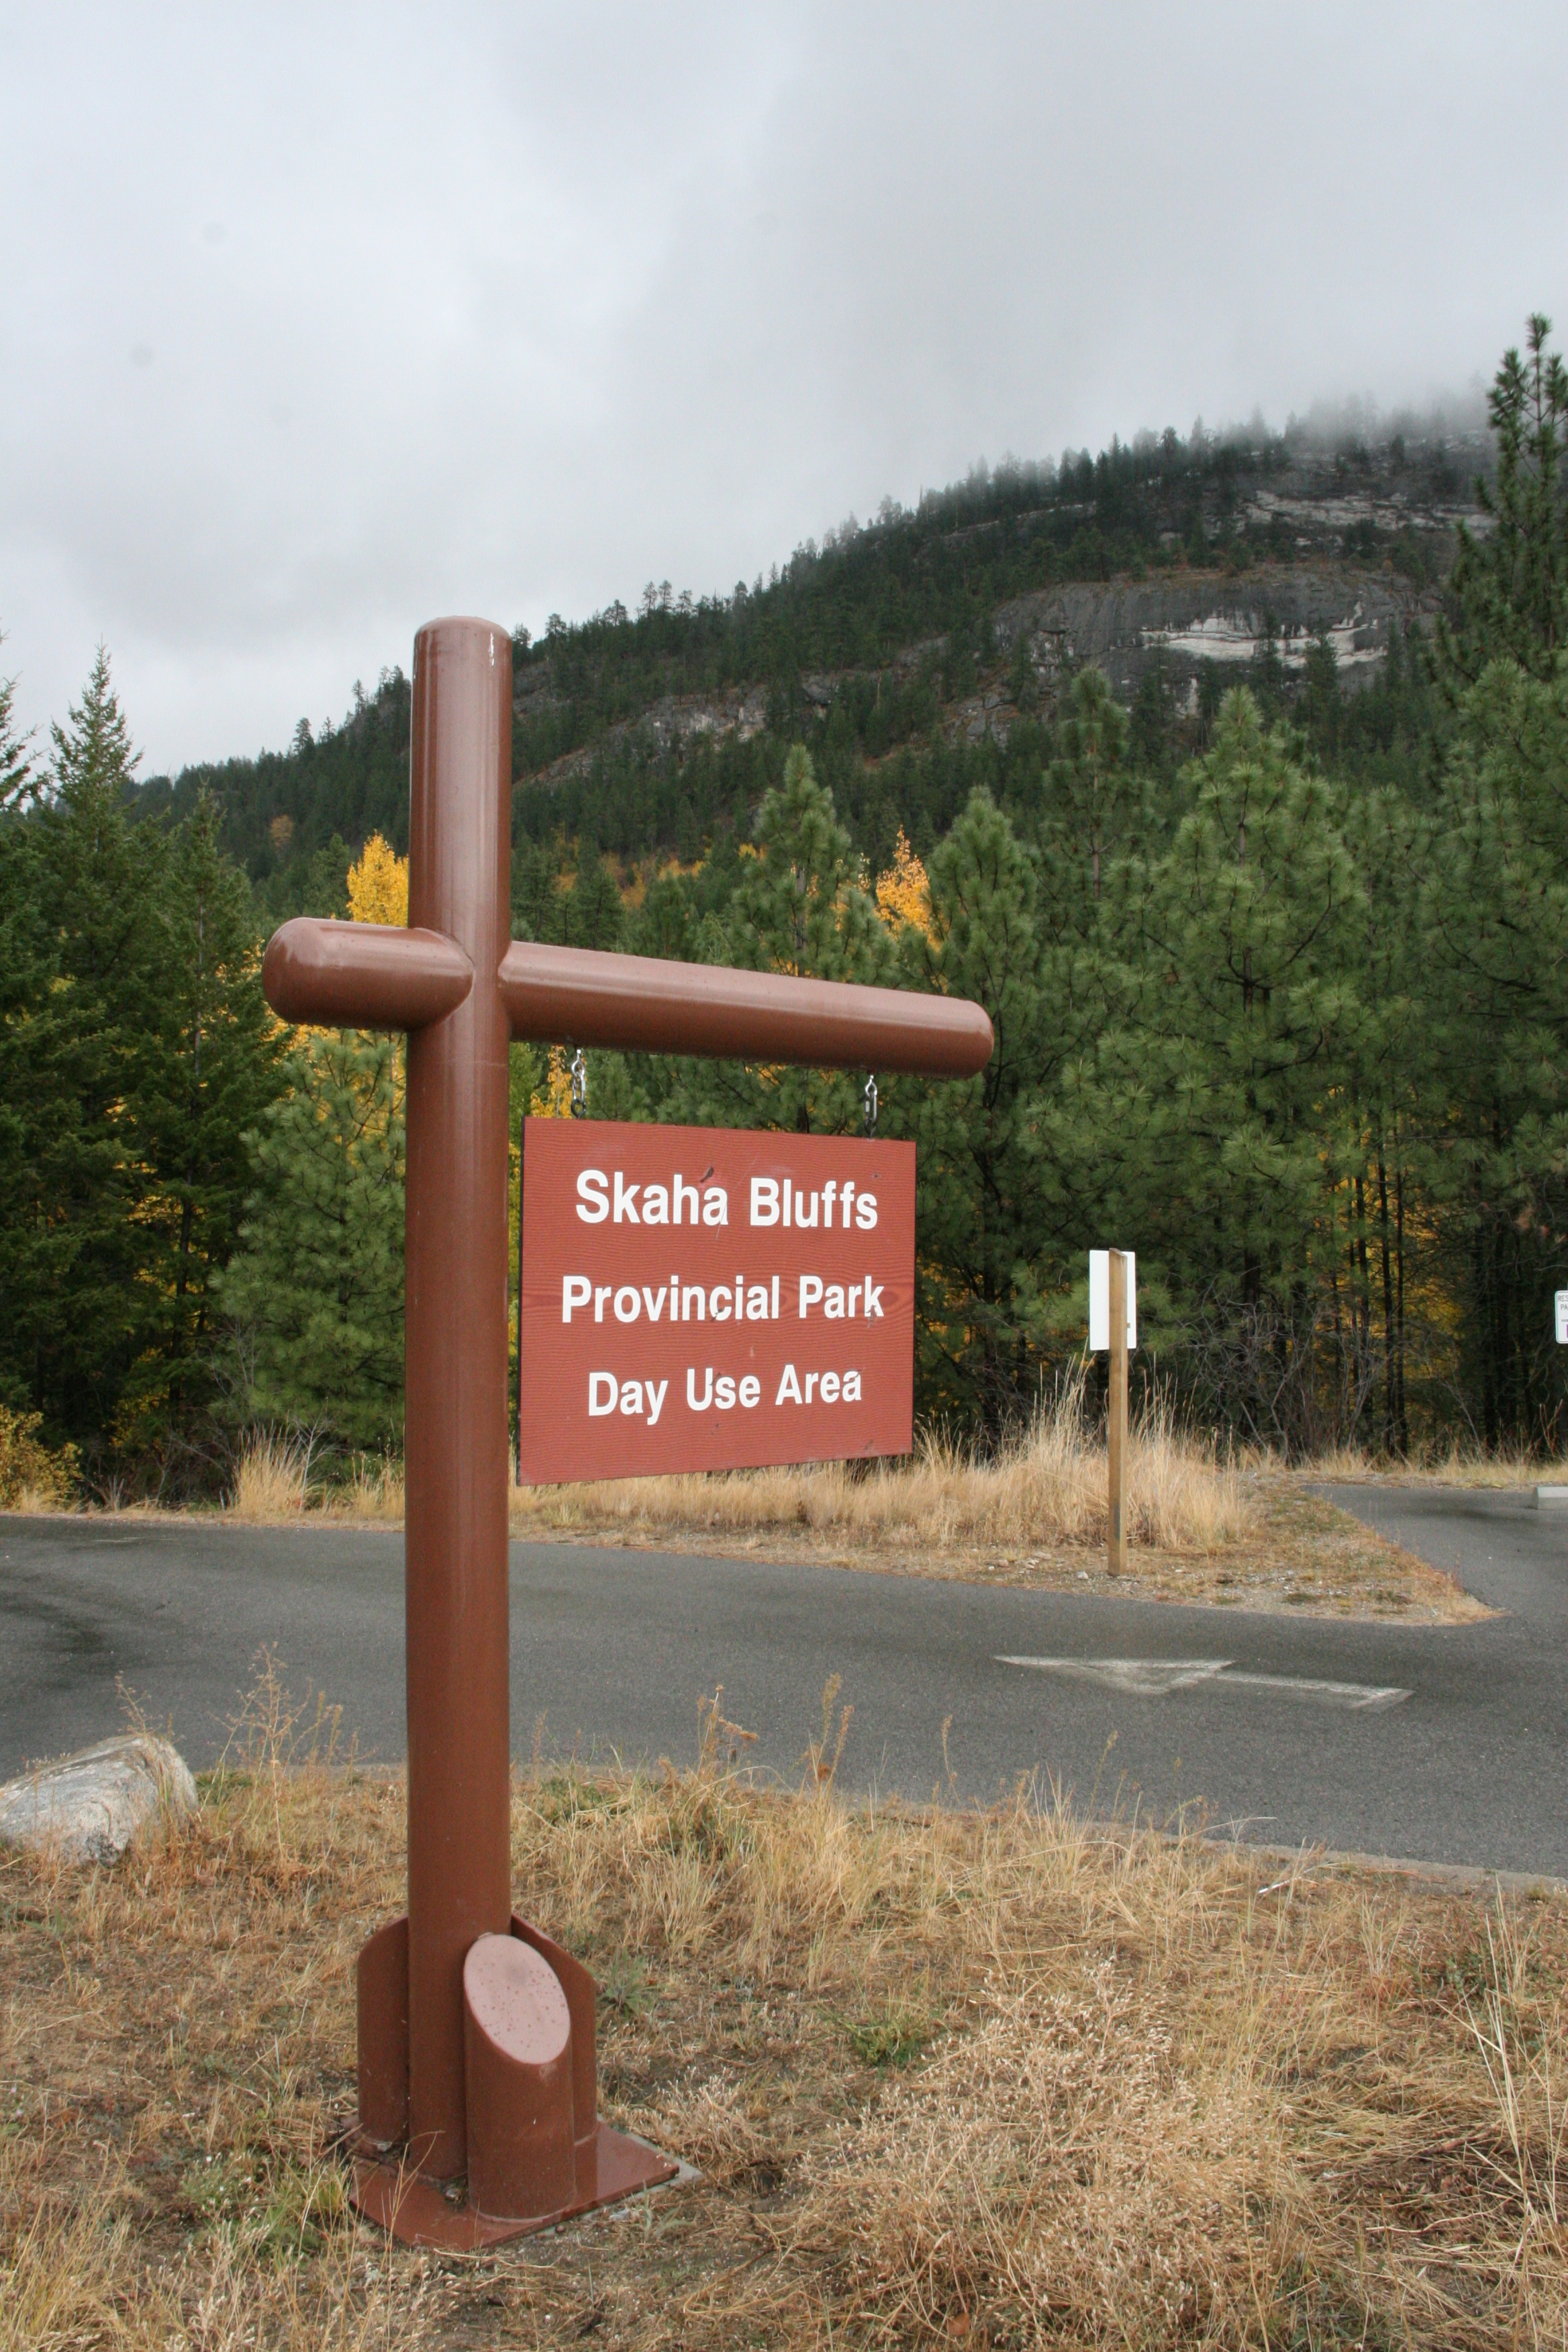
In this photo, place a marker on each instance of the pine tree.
(1243, 1025)
(1152, 729)
(93, 754)
(1088, 791)
(1393, 1094)
(988, 1205)
(538, 906)
(1508, 592)
(594, 916)
(802, 904)
(1493, 908)
(19, 783)
(135, 1049)
(87, 906)
(1495, 913)
(210, 1060)
(1320, 696)
(313, 1297)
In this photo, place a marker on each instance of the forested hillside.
(925, 639)
(1231, 775)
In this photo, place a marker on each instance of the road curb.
(1461, 1875)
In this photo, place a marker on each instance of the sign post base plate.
(423, 2213)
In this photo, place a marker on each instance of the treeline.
(1277, 982)
(633, 802)
(288, 817)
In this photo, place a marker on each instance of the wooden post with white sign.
(1116, 1423)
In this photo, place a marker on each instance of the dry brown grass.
(276, 1482)
(1458, 1463)
(1204, 1527)
(271, 1481)
(35, 1502)
(982, 2077)
(1048, 1486)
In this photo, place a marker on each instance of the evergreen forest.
(1273, 949)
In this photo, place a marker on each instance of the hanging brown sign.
(701, 1298)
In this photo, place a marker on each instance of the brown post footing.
(537, 2153)
(422, 2214)
(582, 2007)
(516, 2053)
(382, 1986)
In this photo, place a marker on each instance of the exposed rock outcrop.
(1184, 618)
(1191, 617)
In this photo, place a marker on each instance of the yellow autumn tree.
(903, 895)
(378, 885)
(553, 1099)
(378, 893)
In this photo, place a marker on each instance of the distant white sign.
(1100, 1299)
(1561, 1303)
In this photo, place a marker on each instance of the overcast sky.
(319, 321)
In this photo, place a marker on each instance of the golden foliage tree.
(903, 895)
(553, 1099)
(378, 885)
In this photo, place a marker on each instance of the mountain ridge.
(1175, 567)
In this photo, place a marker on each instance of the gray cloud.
(318, 322)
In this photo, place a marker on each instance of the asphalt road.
(1444, 1744)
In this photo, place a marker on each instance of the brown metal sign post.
(475, 2034)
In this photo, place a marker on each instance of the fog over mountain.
(317, 324)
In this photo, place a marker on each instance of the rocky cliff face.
(1188, 618)
(1184, 619)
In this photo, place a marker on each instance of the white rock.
(90, 1805)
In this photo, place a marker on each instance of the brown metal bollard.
(475, 2033)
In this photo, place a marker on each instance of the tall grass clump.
(271, 1478)
(278, 1476)
(1044, 1485)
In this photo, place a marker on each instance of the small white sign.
(1100, 1299)
(1561, 1305)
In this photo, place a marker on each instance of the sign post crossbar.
(469, 2020)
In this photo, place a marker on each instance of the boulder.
(88, 1807)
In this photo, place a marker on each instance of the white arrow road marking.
(1152, 1677)
(1143, 1677)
